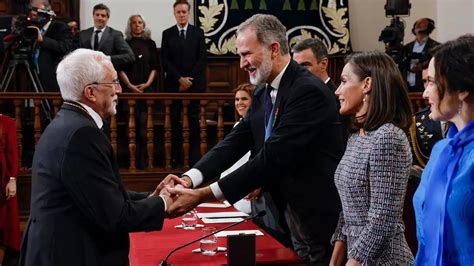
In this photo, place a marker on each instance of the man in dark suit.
(418, 52)
(80, 211)
(294, 136)
(52, 43)
(312, 54)
(183, 56)
(105, 39)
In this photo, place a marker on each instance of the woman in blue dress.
(444, 200)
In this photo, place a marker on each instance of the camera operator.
(418, 51)
(52, 43)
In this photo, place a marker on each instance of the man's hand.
(186, 199)
(39, 37)
(254, 194)
(171, 181)
(185, 83)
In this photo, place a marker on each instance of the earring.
(365, 97)
(460, 108)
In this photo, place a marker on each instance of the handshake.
(179, 195)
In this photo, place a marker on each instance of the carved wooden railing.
(153, 120)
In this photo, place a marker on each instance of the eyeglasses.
(117, 83)
(113, 83)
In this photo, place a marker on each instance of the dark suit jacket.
(56, 44)
(424, 56)
(112, 43)
(80, 212)
(184, 58)
(297, 163)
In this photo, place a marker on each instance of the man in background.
(52, 43)
(418, 51)
(106, 39)
(184, 59)
(312, 54)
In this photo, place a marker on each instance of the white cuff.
(216, 190)
(196, 176)
(164, 202)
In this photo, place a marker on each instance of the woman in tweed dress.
(372, 176)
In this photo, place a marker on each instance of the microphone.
(260, 214)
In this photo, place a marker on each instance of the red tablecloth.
(149, 249)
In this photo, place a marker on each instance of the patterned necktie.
(181, 34)
(268, 103)
(96, 40)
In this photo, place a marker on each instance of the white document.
(221, 220)
(219, 249)
(239, 232)
(221, 214)
(224, 204)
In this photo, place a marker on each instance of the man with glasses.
(80, 211)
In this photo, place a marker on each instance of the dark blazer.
(112, 44)
(297, 163)
(424, 56)
(57, 42)
(80, 212)
(184, 58)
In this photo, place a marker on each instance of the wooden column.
(37, 120)
(203, 127)
(167, 134)
(185, 133)
(131, 133)
(149, 133)
(220, 120)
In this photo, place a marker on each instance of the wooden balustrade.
(153, 119)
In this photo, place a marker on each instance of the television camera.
(393, 34)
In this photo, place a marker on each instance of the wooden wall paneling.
(4, 7)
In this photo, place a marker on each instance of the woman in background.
(444, 200)
(243, 99)
(139, 76)
(372, 176)
(9, 220)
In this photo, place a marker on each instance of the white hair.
(78, 69)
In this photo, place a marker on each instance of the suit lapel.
(87, 42)
(284, 89)
(105, 35)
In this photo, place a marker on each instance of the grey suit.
(111, 43)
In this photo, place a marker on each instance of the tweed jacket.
(371, 180)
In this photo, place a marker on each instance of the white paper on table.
(221, 220)
(179, 226)
(239, 232)
(219, 249)
(221, 214)
(224, 204)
